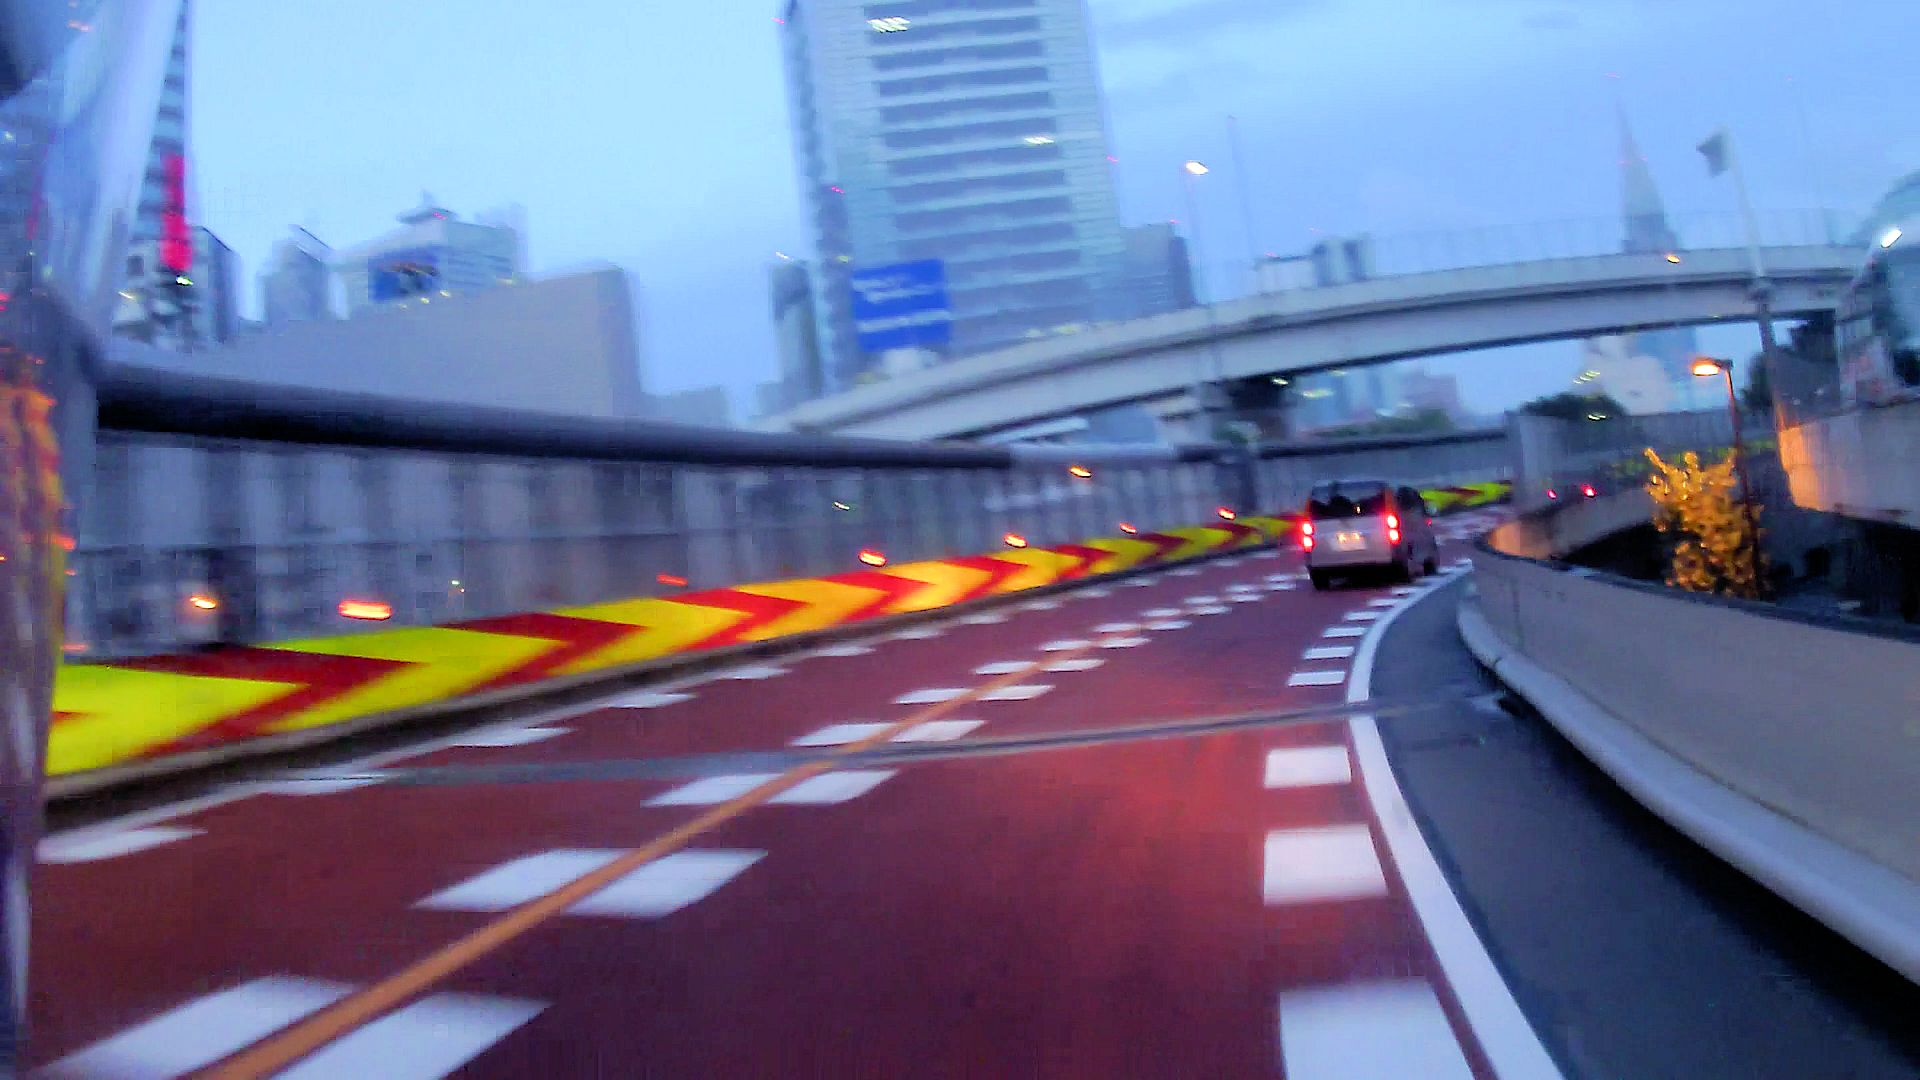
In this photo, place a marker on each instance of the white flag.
(1717, 152)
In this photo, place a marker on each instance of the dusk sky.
(654, 135)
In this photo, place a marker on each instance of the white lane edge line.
(1512, 1047)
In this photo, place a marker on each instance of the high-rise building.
(432, 254)
(1650, 370)
(796, 333)
(969, 131)
(166, 153)
(1159, 272)
(295, 286)
(216, 287)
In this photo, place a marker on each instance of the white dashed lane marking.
(1384, 1030)
(1016, 693)
(424, 1040)
(752, 674)
(1169, 624)
(1328, 652)
(1065, 645)
(92, 847)
(840, 734)
(320, 783)
(1316, 678)
(661, 887)
(1116, 628)
(1383, 602)
(1331, 862)
(1160, 613)
(202, 1031)
(1003, 667)
(1344, 631)
(509, 737)
(936, 731)
(832, 787)
(646, 699)
(929, 697)
(848, 649)
(1202, 600)
(1308, 766)
(1076, 663)
(984, 618)
(1121, 642)
(917, 633)
(711, 790)
(1209, 609)
(1363, 615)
(1040, 605)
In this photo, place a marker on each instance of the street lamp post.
(1720, 155)
(1706, 367)
(1206, 385)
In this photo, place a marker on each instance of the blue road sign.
(400, 275)
(901, 306)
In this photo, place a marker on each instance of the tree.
(1573, 405)
(1757, 396)
(1715, 551)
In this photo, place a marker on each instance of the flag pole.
(1721, 157)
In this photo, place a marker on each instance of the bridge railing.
(1122, 292)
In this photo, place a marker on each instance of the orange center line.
(296, 1041)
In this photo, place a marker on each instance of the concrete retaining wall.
(1809, 721)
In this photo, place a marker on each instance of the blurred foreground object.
(79, 94)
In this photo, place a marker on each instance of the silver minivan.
(1353, 526)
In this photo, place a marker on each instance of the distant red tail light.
(1393, 528)
(1129, 528)
(1588, 491)
(1306, 536)
(370, 610)
(1552, 494)
(670, 579)
(872, 557)
(1014, 540)
(1226, 513)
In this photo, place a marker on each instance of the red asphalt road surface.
(1091, 910)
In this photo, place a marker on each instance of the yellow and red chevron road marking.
(129, 710)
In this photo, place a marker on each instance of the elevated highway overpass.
(1303, 330)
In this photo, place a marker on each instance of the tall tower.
(166, 152)
(1647, 371)
(958, 130)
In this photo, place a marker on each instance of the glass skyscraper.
(968, 131)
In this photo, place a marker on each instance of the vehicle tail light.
(1393, 528)
(1306, 536)
(1588, 491)
(1129, 528)
(1552, 494)
(1014, 540)
(872, 557)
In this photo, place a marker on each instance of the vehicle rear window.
(1347, 500)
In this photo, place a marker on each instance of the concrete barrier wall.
(1785, 742)
(1813, 722)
